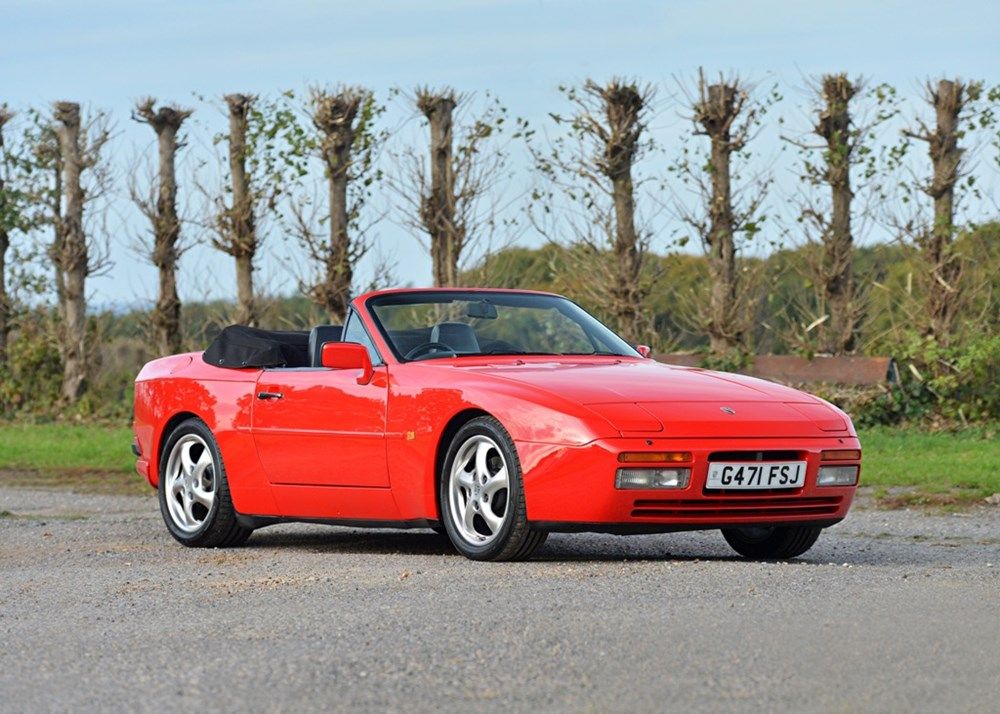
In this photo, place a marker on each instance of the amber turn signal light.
(654, 457)
(841, 455)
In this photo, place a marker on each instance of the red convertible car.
(494, 416)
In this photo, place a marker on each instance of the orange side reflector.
(841, 455)
(654, 457)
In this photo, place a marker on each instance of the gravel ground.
(100, 609)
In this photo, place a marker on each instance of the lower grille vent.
(743, 507)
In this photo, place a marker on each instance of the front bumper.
(573, 488)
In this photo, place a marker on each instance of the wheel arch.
(451, 428)
(168, 426)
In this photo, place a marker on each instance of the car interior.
(319, 336)
(458, 336)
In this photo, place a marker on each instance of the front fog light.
(837, 476)
(652, 478)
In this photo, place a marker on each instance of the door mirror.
(645, 350)
(348, 355)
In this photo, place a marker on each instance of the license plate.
(756, 475)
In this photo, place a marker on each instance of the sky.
(108, 54)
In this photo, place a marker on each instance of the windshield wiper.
(548, 354)
(598, 353)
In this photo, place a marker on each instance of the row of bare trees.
(592, 194)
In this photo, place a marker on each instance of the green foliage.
(939, 386)
(33, 373)
(958, 382)
(27, 170)
(731, 361)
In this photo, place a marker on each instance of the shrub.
(33, 373)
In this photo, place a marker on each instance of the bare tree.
(594, 167)
(346, 146)
(951, 100)
(235, 223)
(48, 158)
(437, 210)
(29, 200)
(728, 115)
(162, 214)
(456, 202)
(834, 127)
(829, 207)
(7, 217)
(79, 147)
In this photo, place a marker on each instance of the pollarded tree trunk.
(943, 265)
(5, 211)
(4, 297)
(834, 127)
(166, 122)
(624, 105)
(50, 155)
(240, 239)
(437, 209)
(716, 112)
(72, 253)
(334, 115)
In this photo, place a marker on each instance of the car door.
(317, 426)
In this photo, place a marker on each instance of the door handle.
(269, 395)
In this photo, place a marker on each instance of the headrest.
(457, 335)
(319, 336)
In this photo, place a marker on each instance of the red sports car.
(495, 416)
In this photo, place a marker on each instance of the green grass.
(88, 457)
(936, 468)
(65, 446)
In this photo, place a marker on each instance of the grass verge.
(85, 457)
(913, 467)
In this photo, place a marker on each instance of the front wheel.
(771, 543)
(194, 492)
(481, 495)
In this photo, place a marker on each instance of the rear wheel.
(481, 496)
(771, 543)
(194, 492)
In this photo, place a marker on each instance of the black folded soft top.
(238, 346)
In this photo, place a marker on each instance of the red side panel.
(170, 388)
(333, 502)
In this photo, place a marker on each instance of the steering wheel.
(430, 348)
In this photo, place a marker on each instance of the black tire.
(515, 540)
(220, 528)
(776, 543)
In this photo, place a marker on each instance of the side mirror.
(348, 355)
(645, 350)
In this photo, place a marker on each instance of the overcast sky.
(107, 54)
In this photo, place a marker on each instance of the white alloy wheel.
(479, 489)
(190, 483)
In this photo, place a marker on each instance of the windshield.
(432, 325)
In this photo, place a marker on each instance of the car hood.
(645, 396)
